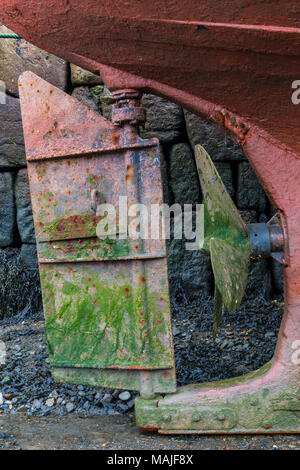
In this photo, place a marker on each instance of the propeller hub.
(266, 239)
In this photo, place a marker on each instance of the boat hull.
(240, 55)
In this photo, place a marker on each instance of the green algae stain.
(71, 250)
(97, 324)
(70, 289)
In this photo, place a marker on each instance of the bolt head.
(196, 417)
(221, 416)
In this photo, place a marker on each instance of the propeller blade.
(225, 238)
(222, 218)
(230, 266)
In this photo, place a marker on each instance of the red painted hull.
(240, 54)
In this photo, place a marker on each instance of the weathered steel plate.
(103, 315)
(153, 381)
(106, 300)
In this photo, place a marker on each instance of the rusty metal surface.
(248, 51)
(266, 239)
(106, 300)
(152, 381)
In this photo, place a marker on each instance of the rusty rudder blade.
(106, 301)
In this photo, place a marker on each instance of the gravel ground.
(120, 433)
(246, 341)
(26, 384)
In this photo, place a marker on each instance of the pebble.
(124, 396)
(1, 399)
(175, 330)
(123, 407)
(107, 398)
(36, 405)
(50, 402)
(70, 407)
(269, 334)
(22, 408)
(130, 404)
(62, 411)
(5, 380)
(86, 406)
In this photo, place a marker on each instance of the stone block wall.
(178, 131)
(19, 279)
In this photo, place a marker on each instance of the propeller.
(225, 238)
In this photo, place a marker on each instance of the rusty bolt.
(221, 416)
(196, 417)
(267, 424)
(218, 116)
